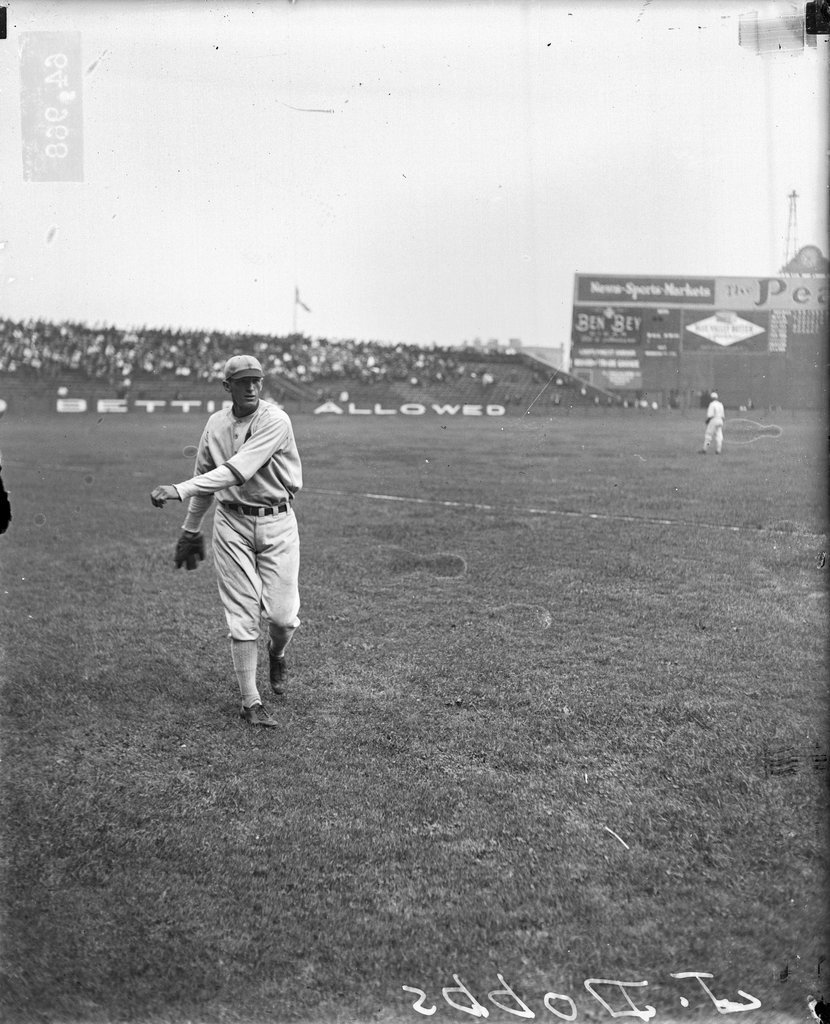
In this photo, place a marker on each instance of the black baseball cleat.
(258, 714)
(277, 673)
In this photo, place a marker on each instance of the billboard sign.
(749, 293)
(645, 291)
(661, 332)
(738, 293)
(608, 368)
(595, 325)
(725, 328)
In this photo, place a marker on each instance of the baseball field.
(554, 747)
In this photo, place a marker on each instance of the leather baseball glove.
(5, 508)
(189, 548)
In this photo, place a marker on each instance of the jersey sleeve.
(196, 512)
(207, 476)
(206, 483)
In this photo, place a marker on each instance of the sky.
(423, 172)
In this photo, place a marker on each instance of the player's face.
(245, 392)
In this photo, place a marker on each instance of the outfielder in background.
(247, 459)
(714, 425)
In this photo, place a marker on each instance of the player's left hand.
(189, 547)
(165, 492)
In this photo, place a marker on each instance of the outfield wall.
(16, 396)
(761, 340)
(521, 391)
(70, 406)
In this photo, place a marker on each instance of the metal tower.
(792, 229)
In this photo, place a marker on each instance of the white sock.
(244, 654)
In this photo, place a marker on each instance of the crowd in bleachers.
(43, 350)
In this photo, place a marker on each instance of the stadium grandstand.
(39, 359)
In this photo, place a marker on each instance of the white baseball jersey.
(715, 412)
(252, 461)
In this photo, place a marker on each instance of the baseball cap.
(242, 366)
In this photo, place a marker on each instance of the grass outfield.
(577, 734)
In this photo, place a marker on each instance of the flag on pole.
(298, 301)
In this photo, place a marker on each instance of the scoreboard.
(674, 333)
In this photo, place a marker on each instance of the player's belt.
(257, 510)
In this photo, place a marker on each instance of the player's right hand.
(162, 494)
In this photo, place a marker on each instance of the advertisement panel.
(644, 291)
(609, 372)
(725, 328)
(737, 293)
(613, 347)
(605, 357)
(661, 332)
(746, 293)
(606, 326)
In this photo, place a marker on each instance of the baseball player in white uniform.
(247, 459)
(714, 425)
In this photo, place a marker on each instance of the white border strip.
(608, 516)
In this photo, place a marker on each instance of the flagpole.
(294, 322)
